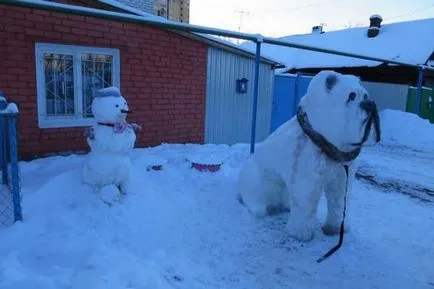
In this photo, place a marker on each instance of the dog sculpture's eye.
(117, 105)
(352, 96)
(365, 96)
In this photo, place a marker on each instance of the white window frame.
(76, 120)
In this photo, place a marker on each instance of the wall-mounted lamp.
(242, 85)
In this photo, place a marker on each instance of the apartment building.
(143, 5)
(178, 10)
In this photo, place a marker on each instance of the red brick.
(71, 38)
(34, 32)
(35, 17)
(8, 77)
(94, 33)
(87, 39)
(41, 12)
(102, 41)
(15, 14)
(76, 18)
(53, 34)
(101, 28)
(76, 30)
(70, 23)
(13, 28)
(62, 29)
(16, 70)
(114, 30)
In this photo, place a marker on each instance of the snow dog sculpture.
(314, 151)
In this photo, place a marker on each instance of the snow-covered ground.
(182, 228)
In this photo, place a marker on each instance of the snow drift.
(406, 129)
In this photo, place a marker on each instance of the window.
(67, 79)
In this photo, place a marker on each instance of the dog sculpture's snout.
(368, 106)
(373, 118)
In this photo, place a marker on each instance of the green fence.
(426, 103)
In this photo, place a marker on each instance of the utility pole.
(241, 12)
(168, 8)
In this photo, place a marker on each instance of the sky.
(276, 18)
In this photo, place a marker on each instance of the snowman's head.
(109, 106)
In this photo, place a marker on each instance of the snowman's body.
(110, 140)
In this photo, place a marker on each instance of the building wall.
(144, 5)
(387, 95)
(179, 10)
(164, 86)
(228, 113)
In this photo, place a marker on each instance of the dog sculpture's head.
(339, 108)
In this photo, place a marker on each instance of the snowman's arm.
(136, 127)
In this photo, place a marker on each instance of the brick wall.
(164, 86)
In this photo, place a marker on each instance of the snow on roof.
(403, 41)
(139, 12)
(238, 47)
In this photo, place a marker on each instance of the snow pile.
(10, 108)
(212, 155)
(75, 241)
(406, 129)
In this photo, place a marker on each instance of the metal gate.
(288, 89)
(10, 199)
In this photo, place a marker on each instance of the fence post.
(3, 144)
(255, 93)
(15, 178)
(419, 90)
(9, 161)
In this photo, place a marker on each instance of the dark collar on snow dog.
(321, 142)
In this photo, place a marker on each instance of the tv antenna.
(241, 12)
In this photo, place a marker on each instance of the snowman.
(107, 167)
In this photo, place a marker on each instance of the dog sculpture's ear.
(330, 82)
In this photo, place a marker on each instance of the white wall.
(228, 118)
(386, 95)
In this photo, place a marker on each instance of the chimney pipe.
(317, 29)
(374, 26)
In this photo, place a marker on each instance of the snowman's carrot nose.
(126, 111)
